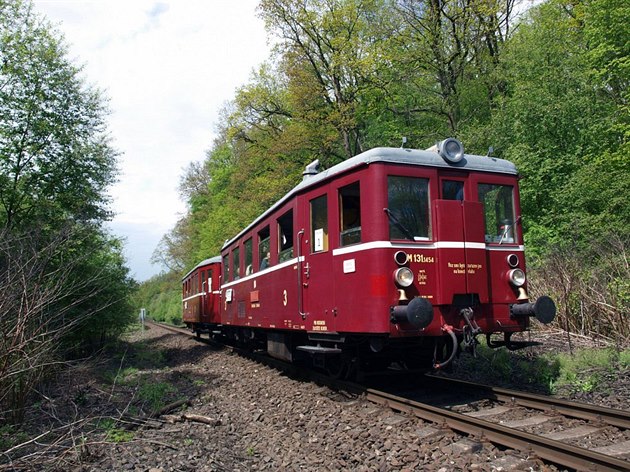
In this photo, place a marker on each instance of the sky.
(167, 68)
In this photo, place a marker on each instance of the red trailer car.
(201, 293)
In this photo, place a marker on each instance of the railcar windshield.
(498, 207)
(408, 208)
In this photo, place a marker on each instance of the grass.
(134, 367)
(11, 435)
(585, 370)
(497, 366)
(154, 393)
(113, 433)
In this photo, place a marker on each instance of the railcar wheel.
(336, 367)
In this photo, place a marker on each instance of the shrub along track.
(599, 440)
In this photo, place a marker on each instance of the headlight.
(451, 150)
(517, 277)
(403, 276)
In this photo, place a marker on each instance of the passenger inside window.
(263, 248)
(247, 245)
(350, 211)
(498, 208)
(285, 236)
(408, 208)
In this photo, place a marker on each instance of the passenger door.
(318, 289)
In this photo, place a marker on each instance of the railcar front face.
(440, 250)
(457, 256)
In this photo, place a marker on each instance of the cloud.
(158, 8)
(168, 68)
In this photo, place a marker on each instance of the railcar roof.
(212, 260)
(415, 157)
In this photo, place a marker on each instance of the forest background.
(546, 87)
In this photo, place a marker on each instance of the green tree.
(64, 286)
(562, 127)
(328, 57)
(55, 159)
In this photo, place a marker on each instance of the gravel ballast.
(254, 418)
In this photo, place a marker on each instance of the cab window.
(319, 224)
(285, 236)
(453, 190)
(408, 208)
(498, 207)
(350, 213)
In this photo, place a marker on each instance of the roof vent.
(311, 169)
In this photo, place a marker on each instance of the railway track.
(552, 447)
(487, 422)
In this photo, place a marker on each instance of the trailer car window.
(350, 212)
(498, 207)
(319, 224)
(408, 204)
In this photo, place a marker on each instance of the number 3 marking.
(284, 298)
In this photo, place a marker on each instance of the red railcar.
(392, 255)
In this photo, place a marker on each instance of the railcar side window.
(237, 263)
(498, 207)
(319, 224)
(408, 208)
(226, 268)
(248, 256)
(285, 236)
(209, 285)
(264, 247)
(350, 212)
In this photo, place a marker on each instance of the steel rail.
(548, 449)
(595, 413)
